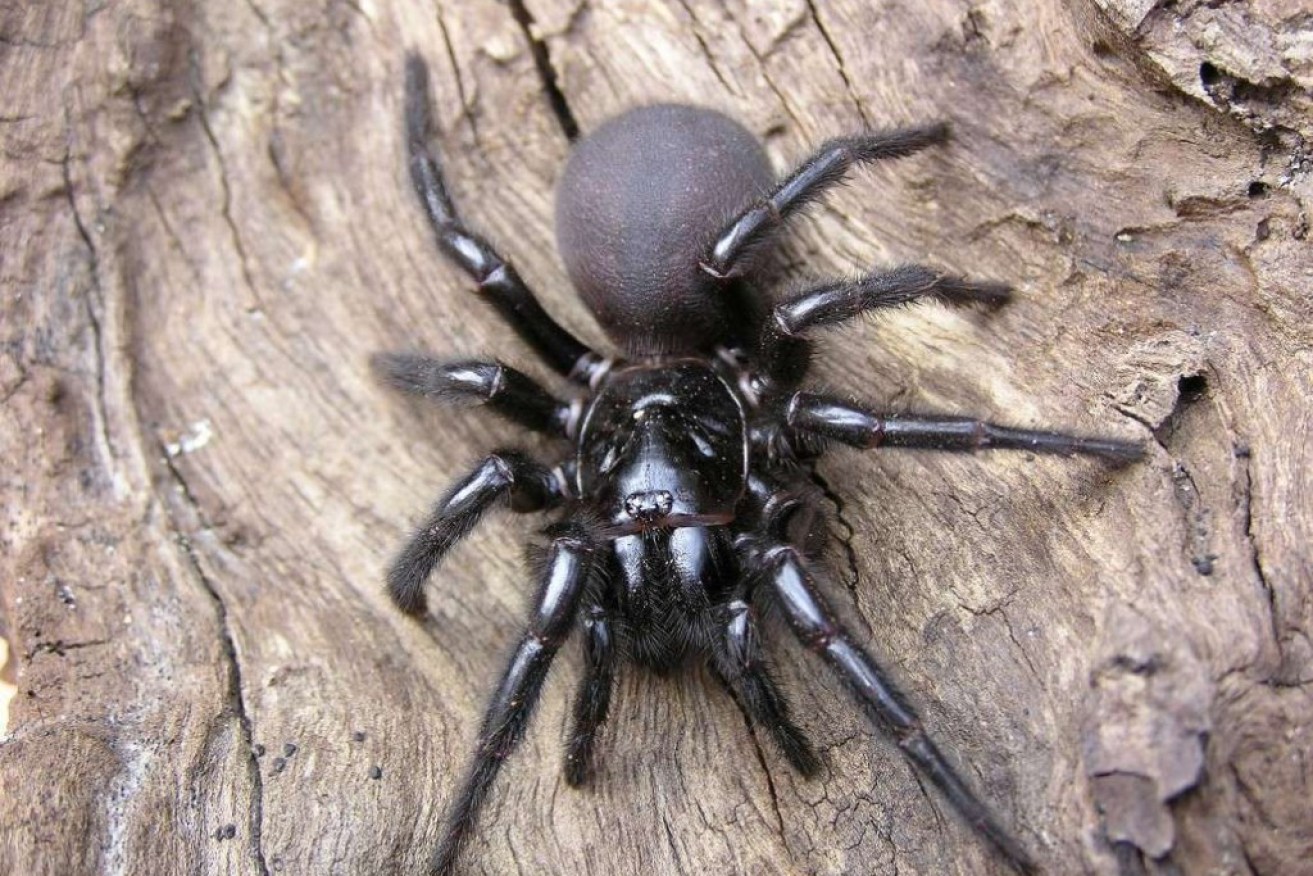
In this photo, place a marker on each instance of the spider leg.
(530, 487)
(784, 570)
(783, 352)
(860, 427)
(824, 168)
(562, 583)
(594, 697)
(507, 392)
(739, 660)
(497, 280)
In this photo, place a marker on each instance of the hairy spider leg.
(812, 621)
(563, 580)
(739, 660)
(593, 700)
(496, 278)
(861, 427)
(505, 474)
(783, 353)
(824, 168)
(508, 393)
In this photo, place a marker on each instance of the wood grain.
(207, 230)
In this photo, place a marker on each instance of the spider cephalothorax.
(684, 487)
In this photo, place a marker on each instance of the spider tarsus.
(593, 700)
(414, 374)
(799, 752)
(939, 132)
(577, 769)
(1008, 846)
(766, 706)
(406, 595)
(1118, 453)
(411, 569)
(739, 664)
(894, 143)
(923, 752)
(417, 116)
(957, 290)
(460, 820)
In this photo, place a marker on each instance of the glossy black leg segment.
(783, 569)
(563, 581)
(782, 352)
(505, 391)
(860, 427)
(497, 280)
(507, 473)
(822, 170)
(739, 659)
(594, 698)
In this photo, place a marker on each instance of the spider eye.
(703, 445)
(715, 425)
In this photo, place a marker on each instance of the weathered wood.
(207, 229)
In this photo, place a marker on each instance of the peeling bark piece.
(1145, 732)
(1154, 370)
(1133, 812)
(1254, 60)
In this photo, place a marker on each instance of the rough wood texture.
(207, 229)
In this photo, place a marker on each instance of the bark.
(207, 229)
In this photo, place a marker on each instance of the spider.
(687, 501)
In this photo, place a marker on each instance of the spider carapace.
(684, 486)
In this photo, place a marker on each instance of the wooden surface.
(207, 229)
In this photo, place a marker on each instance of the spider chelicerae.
(686, 496)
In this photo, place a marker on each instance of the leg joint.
(498, 276)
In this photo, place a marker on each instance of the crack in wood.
(225, 203)
(696, 30)
(1256, 559)
(770, 80)
(765, 770)
(546, 72)
(839, 64)
(466, 107)
(93, 319)
(236, 699)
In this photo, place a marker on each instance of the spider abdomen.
(640, 201)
